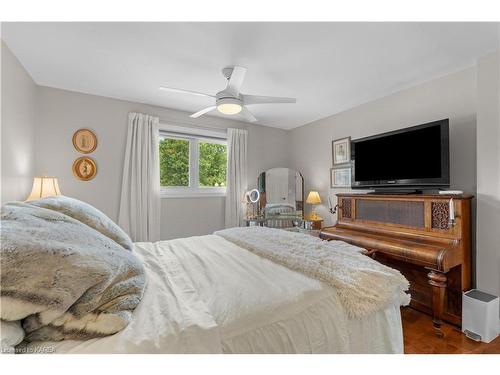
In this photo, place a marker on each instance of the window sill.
(191, 195)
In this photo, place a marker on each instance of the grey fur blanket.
(66, 279)
(88, 215)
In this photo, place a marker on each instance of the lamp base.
(314, 215)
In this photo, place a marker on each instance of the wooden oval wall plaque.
(84, 141)
(84, 168)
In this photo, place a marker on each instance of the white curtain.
(140, 197)
(236, 176)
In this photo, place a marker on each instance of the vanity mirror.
(281, 199)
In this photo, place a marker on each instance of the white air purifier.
(480, 315)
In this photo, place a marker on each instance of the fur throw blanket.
(363, 285)
(88, 215)
(66, 279)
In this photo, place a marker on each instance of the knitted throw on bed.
(363, 285)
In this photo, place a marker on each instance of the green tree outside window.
(174, 162)
(213, 164)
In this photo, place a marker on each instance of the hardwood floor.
(419, 337)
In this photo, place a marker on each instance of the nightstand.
(313, 223)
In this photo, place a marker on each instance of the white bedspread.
(207, 295)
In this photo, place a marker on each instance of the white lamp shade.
(44, 187)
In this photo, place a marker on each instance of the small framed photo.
(340, 177)
(341, 151)
(85, 141)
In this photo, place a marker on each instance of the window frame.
(194, 136)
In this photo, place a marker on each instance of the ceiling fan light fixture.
(231, 101)
(229, 106)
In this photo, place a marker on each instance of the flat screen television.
(410, 158)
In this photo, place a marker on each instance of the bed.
(272, 210)
(240, 290)
(208, 295)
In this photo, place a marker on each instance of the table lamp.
(313, 199)
(44, 187)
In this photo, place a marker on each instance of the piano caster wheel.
(437, 330)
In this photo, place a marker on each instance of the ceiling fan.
(231, 101)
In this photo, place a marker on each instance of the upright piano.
(426, 237)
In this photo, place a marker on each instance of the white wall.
(18, 128)
(61, 112)
(488, 173)
(452, 96)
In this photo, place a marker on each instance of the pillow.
(11, 334)
(88, 215)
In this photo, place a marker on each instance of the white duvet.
(207, 295)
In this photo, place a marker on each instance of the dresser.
(418, 235)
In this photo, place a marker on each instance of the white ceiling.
(328, 67)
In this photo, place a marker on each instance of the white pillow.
(11, 334)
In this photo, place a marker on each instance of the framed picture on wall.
(341, 151)
(340, 177)
(85, 141)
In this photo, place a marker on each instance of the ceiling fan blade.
(202, 112)
(181, 91)
(248, 115)
(257, 99)
(236, 80)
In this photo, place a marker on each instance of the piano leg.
(438, 282)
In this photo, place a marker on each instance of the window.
(192, 164)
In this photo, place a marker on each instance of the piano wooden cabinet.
(414, 234)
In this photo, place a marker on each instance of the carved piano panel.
(440, 214)
(413, 233)
(345, 208)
